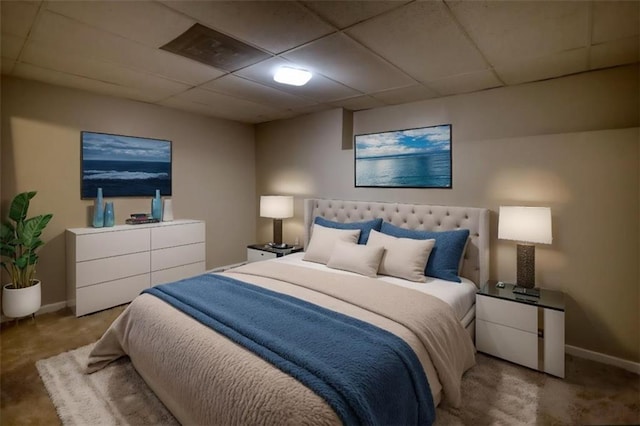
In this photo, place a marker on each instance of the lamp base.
(277, 231)
(526, 275)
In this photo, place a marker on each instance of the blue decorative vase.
(98, 211)
(109, 215)
(156, 206)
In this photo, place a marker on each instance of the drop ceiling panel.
(216, 111)
(44, 57)
(63, 79)
(616, 52)
(342, 59)
(224, 102)
(222, 106)
(255, 92)
(189, 106)
(319, 88)
(614, 20)
(65, 35)
(506, 31)
(358, 103)
(405, 95)
(18, 16)
(10, 46)
(466, 83)
(422, 39)
(127, 19)
(550, 66)
(275, 26)
(343, 14)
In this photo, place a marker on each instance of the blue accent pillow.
(364, 227)
(445, 256)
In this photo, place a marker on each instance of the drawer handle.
(541, 333)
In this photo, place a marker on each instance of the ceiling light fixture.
(292, 76)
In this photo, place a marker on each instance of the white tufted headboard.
(414, 216)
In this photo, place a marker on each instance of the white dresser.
(107, 267)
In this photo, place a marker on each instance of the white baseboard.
(52, 307)
(634, 367)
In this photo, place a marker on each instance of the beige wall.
(213, 167)
(572, 144)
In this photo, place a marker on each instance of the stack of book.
(140, 218)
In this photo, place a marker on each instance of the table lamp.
(527, 226)
(277, 207)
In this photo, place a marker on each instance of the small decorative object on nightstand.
(522, 329)
(257, 252)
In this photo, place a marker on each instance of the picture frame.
(124, 166)
(411, 158)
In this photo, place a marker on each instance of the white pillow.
(403, 257)
(358, 258)
(323, 239)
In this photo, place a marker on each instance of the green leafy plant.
(20, 240)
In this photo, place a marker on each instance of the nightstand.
(256, 252)
(522, 329)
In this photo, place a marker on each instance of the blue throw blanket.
(366, 374)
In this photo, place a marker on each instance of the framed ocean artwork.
(124, 166)
(411, 158)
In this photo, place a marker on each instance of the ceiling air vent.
(210, 47)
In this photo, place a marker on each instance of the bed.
(205, 377)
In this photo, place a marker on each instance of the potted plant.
(19, 243)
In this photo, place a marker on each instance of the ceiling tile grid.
(422, 39)
(39, 55)
(364, 54)
(245, 89)
(508, 31)
(342, 59)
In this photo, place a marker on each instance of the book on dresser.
(107, 267)
(140, 219)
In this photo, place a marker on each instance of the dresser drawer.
(507, 343)
(111, 268)
(177, 235)
(102, 296)
(515, 315)
(106, 244)
(178, 273)
(177, 256)
(257, 255)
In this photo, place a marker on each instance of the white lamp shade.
(526, 224)
(276, 206)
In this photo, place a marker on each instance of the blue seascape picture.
(412, 158)
(124, 166)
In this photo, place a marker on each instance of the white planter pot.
(20, 302)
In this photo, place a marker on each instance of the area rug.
(115, 395)
(493, 392)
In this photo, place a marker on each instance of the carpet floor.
(494, 391)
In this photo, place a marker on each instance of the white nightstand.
(257, 252)
(522, 329)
